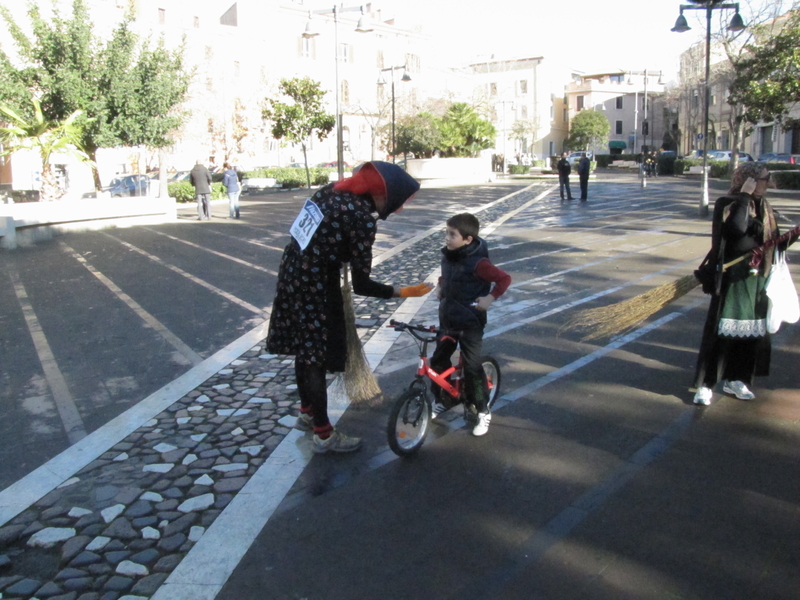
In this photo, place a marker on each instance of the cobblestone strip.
(119, 527)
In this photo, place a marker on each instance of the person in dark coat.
(336, 226)
(564, 169)
(584, 166)
(736, 345)
(201, 180)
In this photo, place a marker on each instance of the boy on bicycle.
(465, 293)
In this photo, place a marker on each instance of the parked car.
(128, 185)
(334, 165)
(179, 176)
(727, 155)
(574, 157)
(793, 159)
(297, 165)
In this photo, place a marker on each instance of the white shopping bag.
(784, 306)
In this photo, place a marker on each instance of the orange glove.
(413, 291)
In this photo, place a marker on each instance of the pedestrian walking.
(736, 345)
(336, 226)
(201, 180)
(584, 167)
(231, 182)
(564, 169)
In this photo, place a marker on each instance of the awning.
(617, 144)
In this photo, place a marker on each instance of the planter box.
(258, 183)
(454, 170)
(33, 221)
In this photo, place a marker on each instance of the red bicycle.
(411, 413)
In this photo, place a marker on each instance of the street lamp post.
(364, 26)
(381, 81)
(681, 26)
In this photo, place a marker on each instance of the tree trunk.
(49, 190)
(163, 192)
(92, 152)
(305, 159)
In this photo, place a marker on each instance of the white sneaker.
(482, 426)
(738, 389)
(437, 408)
(703, 396)
(337, 442)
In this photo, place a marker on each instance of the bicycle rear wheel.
(492, 370)
(409, 421)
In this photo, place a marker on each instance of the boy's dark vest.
(461, 288)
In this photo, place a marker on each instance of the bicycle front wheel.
(408, 422)
(492, 370)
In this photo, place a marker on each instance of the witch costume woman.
(336, 226)
(736, 345)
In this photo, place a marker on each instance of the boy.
(465, 293)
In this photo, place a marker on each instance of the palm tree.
(46, 137)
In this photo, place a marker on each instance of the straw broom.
(359, 381)
(616, 318)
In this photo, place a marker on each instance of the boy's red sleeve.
(486, 271)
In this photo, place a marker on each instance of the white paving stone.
(232, 412)
(151, 423)
(287, 421)
(183, 420)
(266, 375)
(197, 503)
(69, 482)
(252, 450)
(202, 399)
(149, 533)
(230, 467)
(77, 512)
(163, 524)
(260, 401)
(238, 363)
(237, 431)
(251, 391)
(189, 459)
(221, 386)
(267, 356)
(287, 361)
(196, 532)
(158, 468)
(204, 480)
(198, 437)
(225, 371)
(162, 447)
(292, 386)
(50, 536)
(112, 512)
(98, 543)
(132, 569)
(152, 497)
(121, 457)
(194, 408)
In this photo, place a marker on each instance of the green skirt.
(744, 307)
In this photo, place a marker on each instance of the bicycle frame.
(424, 370)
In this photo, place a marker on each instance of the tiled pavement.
(114, 516)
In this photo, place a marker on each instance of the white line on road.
(220, 254)
(193, 357)
(197, 280)
(65, 403)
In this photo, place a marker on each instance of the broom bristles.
(359, 381)
(616, 318)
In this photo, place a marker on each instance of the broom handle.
(766, 246)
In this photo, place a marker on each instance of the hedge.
(183, 191)
(786, 179)
(293, 177)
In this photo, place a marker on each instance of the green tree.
(127, 91)
(45, 137)
(464, 132)
(304, 116)
(589, 129)
(417, 135)
(767, 80)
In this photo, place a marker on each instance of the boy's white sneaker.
(482, 426)
(703, 396)
(437, 408)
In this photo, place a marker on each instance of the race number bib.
(306, 223)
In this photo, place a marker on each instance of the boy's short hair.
(466, 224)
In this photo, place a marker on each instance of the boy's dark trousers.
(471, 342)
(563, 182)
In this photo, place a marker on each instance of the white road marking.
(197, 280)
(220, 254)
(65, 403)
(193, 357)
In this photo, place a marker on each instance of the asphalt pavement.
(597, 479)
